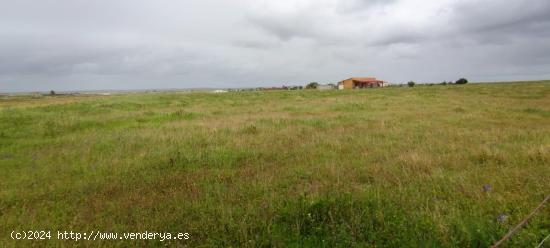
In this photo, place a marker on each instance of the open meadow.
(428, 166)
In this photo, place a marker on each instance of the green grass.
(391, 167)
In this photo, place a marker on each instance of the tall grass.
(391, 167)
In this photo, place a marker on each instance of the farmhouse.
(359, 83)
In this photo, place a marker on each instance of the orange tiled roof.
(363, 79)
(367, 80)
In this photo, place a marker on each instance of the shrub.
(411, 84)
(462, 81)
(312, 85)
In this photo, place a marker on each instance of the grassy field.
(390, 167)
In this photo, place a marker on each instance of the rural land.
(423, 166)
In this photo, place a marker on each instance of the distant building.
(326, 87)
(359, 83)
(220, 91)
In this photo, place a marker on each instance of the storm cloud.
(139, 44)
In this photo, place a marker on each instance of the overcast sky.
(144, 44)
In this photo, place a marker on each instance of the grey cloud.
(493, 14)
(355, 6)
(253, 44)
(497, 22)
(286, 27)
(34, 58)
(399, 37)
(77, 44)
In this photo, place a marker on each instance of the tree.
(312, 85)
(52, 93)
(411, 84)
(462, 81)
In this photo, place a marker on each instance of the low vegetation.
(461, 81)
(453, 166)
(312, 85)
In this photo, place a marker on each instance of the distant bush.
(411, 84)
(462, 81)
(312, 85)
(444, 83)
(52, 93)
